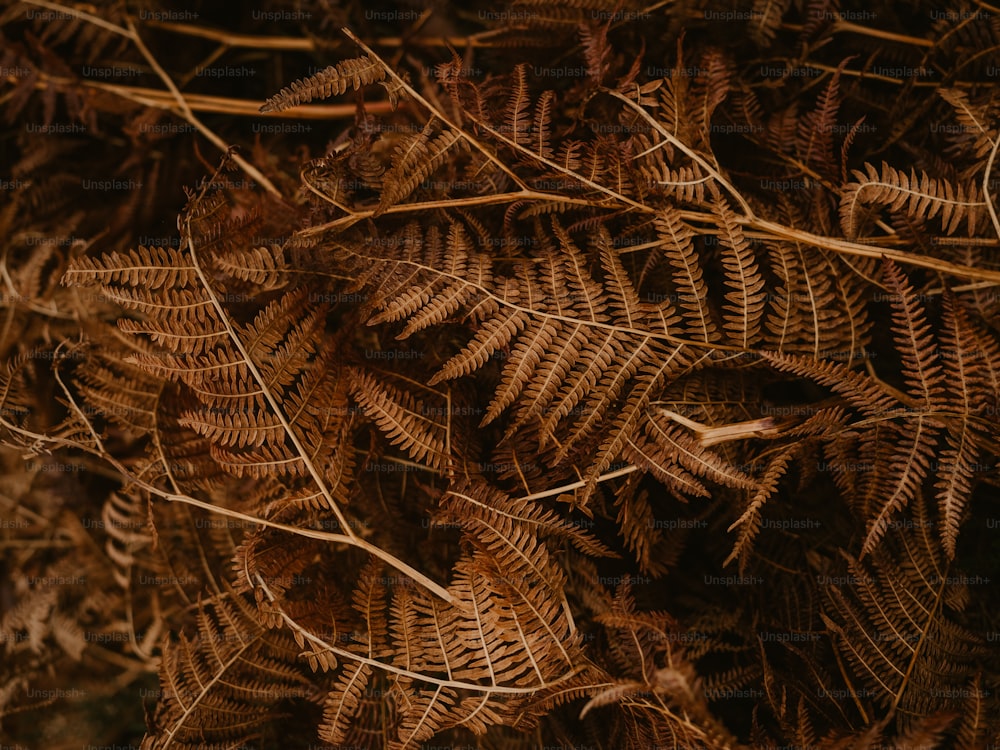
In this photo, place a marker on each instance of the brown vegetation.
(583, 375)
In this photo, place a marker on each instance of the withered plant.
(604, 375)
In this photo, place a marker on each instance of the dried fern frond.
(354, 73)
(894, 624)
(924, 197)
(939, 405)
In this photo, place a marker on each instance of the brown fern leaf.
(968, 356)
(923, 197)
(407, 422)
(944, 401)
(692, 292)
(671, 100)
(976, 136)
(750, 521)
(517, 114)
(90, 39)
(443, 663)
(354, 73)
(415, 159)
(677, 446)
(864, 394)
(145, 268)
(817, 309)
(974, 722)
(569, 345)
(219, 683)
(920, 360)
(541, 127)
(745, 310)
(119, 391)
(634, 320)
(647, 452)
(425, 296)
(247, 390)
(264, 267)
(656, 550)
(894, 624)
(596, 50)
(608, 163)
(710, 90)
(343, 704)
(123, 516)
(687, 184)
(492, 514)
(659, 687)
(814, 141)
(560, 16)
